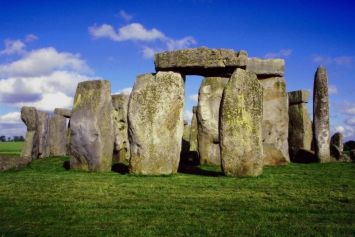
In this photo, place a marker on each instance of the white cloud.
(350, 121)
(13, 47)
(188, 116)
(346, 61)
(43, 61)
(10, 118)
(148, 52)
(30, 38)
(283, 53)
(126, 91)
(332, 90)
(180, 43)
(133, 31)
(348, 109)
(194, 97)
(124, 15)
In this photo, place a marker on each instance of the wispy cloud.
(283, 53)
(13, 47)
(194, 98)
(31, 38)
(124, 15)
(188, 116)
(346, 61)
(126, 91)
(332, 89)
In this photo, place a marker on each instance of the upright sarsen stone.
(57, 135)
(30, 118)
(155, 119)
(240, 128)
(336, 146)
(321, 115)
(91, 127)
(121, 145)
(209, 101)
(43, 134)
(193, 131)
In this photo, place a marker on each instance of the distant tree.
(9, 139)
(3, 138)
(18, 139)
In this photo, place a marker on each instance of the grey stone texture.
(208, 110)
(43, 134)
(30, 118)
(155, 120)
(57, 135)
(337, 140)
(201, 61)
(300, 125)
(321, 115)
(63, 112)
(121, 152)
(91, 127)
(194, 131)
(266, 67)
(275, 121)
(240, 125)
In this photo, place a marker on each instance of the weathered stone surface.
(266, 67)
(201, 61)
(298, 97)
(210, 96)
(13, 163)
(193, 131)
(240, 126)
(121, 150)
(30, 118)
(321, 115)
(337, 140)
(91, 127)
(63, 112)
(155, 119)
(43, 134)
(275, 121)
(305, 156)
(57, 135)
(300, 126)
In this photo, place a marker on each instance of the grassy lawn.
(294, 200)
(10, 148)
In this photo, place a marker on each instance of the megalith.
(43, 134)
(240, 125)
(121, 151)
(336, 146)
(63, 112)
(30, 117)
(91, 135)
(185, 142)
(275, 108)
(321, 115)
(193, 131)
(209, 101)
(155, 120)
(300, 125)
(57, 135)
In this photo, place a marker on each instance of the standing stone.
(63, 112)
(91, 127)
(275, 121)
(194, 131)
(57, 135)
(240, 127)
(337, 140)
(121, 151)
(300, 125)
(30, 118)
(209, 101)
(321, 115)
(43, 134)
(155, 119)
(185, 142)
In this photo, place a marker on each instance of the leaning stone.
(275, 121)
(155, 118)
(321, 115)
(210, 95)
(298, 97)
(266, 67)
(43, 134)
(337, 140)
(201, 61)
(57, 135)
(240, 127)
(30, 118)
(305, 156)
(91, 127)
(63, 112)
(194, 131)
(121, 151)
(300, 125)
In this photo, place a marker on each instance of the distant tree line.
(12, 139)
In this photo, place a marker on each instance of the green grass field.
(10, 148)
(294, 200)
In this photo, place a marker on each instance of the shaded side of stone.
(155, 119)
(57, 135)
(298, 97)
(30, 118)
(275, 121)
(43, 134)
(321, 116)
(240, 126)
(194, 131)
(208, 110)
(91, 127)
(305, 156)
(337, 140)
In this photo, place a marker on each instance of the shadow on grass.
(120, 168)
(196, 170)
(66, 165)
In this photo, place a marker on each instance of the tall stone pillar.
(194, 131)
(43, 134)
(30, 118)
(57, 135)
(321, 115)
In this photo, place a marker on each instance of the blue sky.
(47, 47)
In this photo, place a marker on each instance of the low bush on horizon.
(45, 199)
